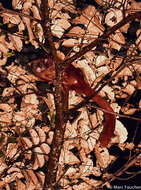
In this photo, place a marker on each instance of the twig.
(117, 114)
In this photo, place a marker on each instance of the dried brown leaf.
(76, 32)
(41, 134)
(102, 156)
(39, 156)
(121, 132)
(70, 42)
(34, 136)
(138, 80)
(113, 17)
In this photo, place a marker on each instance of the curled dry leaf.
(57, 13)
(121, 131)
(138, 41)
(92, 141)
(90, 56)
(113, 17)
(39, 156)
(116, 107)
(15, 72)
(50, 134)
(60, 55)
(130, 89)
(35, 11)
(26, 142)
(2, 60)
(96, 171)
(37, 28)
(20, 184)
(21, 26)
(39, 2)
(115, 64)
(87, 167)
(70, 130)
(27, 6)
(83, 127)
(137, 67)
(34, 136)
(102, 156)
(132, 50)
(12, 150)
(19, 118)
(101, 60)
(68, 157)
(15, 169)
(39, 32)
(91, 18)
(31, 99)
(41, 177)
(17, 4)
(91, 182)
(117, 40)
(71, 171)
(88, 72)
(100, 2)
(6, 113)
(138, 80)
(82, 185)
(29, 155)
(12, 176)
(135, 5)
(70, 42)
(63, 23)
(16, 41)
(76, 49)
(31, 113)
(57, 31)
(5, 45)
(31, 176)
(3, 165)
(27, 115)
(5, 107)
(124, 73)
(93, 31)
(84, 151)
(51, 4)
(35, 165)
(74, 99)
(45, 149)
(76, 32)
(128, 109)
(9, 18)
(3, 48)
(107, 90)
(102, 71)
(41, 134)
(130, 146)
